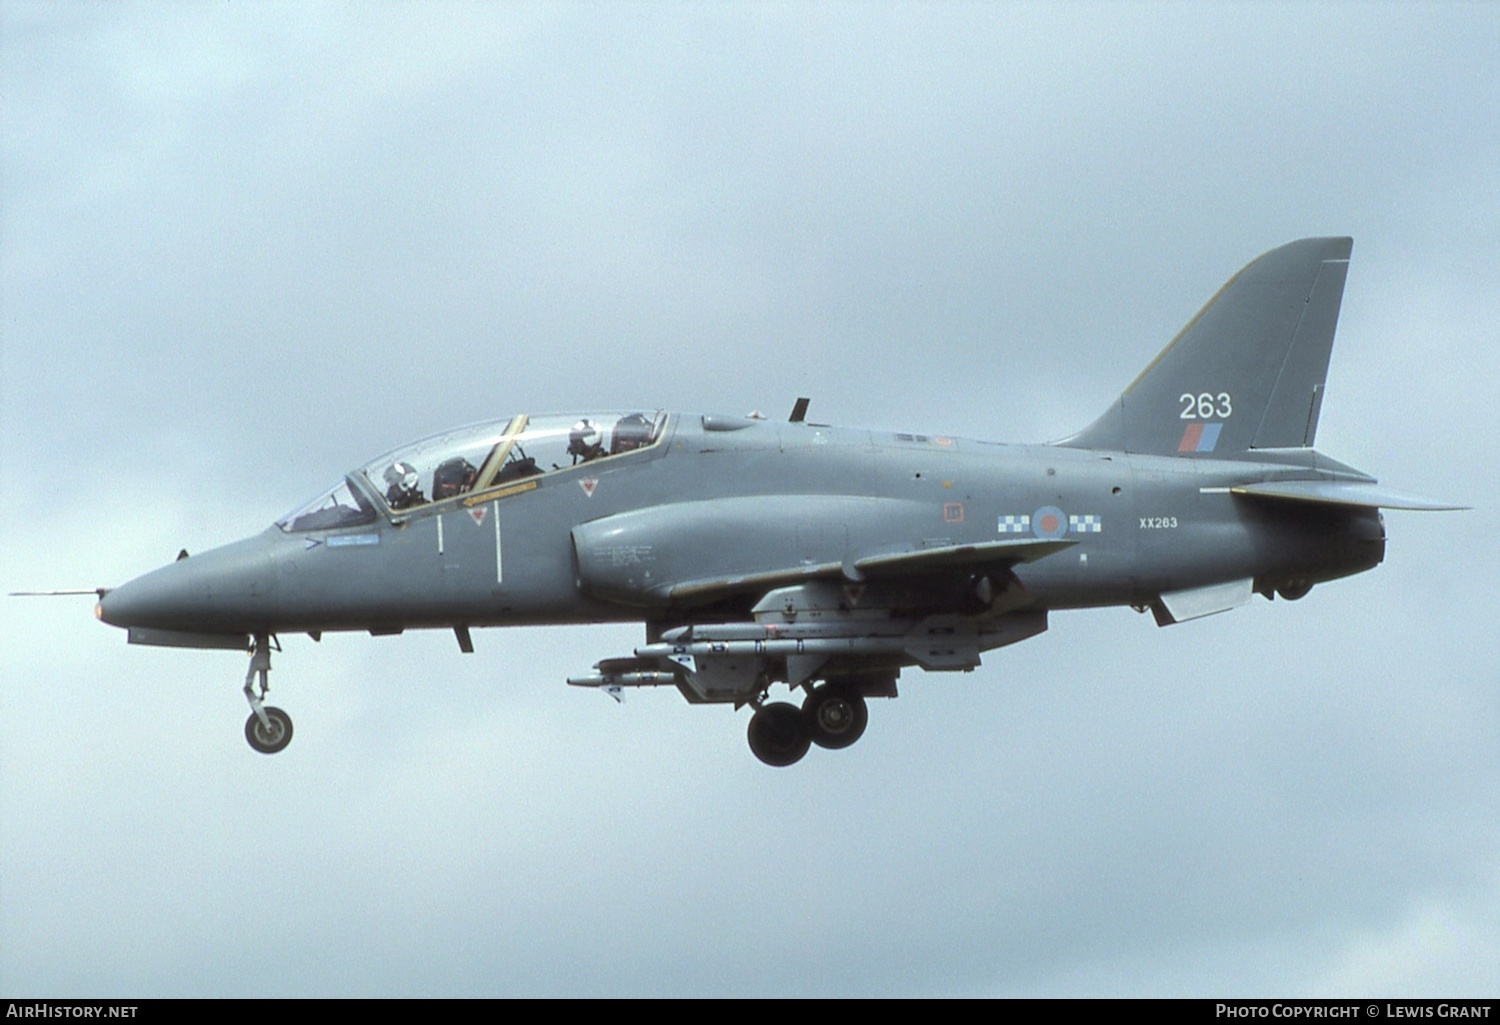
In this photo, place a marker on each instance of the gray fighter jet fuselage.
(759, 552)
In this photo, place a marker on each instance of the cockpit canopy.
(485, 457)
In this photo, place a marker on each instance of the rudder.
(1247, 372)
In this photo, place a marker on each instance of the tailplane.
(1247, 372)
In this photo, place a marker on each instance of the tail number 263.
(1205, 406)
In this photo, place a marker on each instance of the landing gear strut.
(268, 729)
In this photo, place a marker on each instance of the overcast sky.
(249, 246)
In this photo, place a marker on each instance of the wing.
(982, 556)
(770, 588)
(700, 553)
(911, 563)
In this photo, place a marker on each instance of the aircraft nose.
(160, 598)
(225, 589)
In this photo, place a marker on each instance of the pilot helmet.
(584, 439)
(401, 475)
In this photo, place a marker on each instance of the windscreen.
(339, 506)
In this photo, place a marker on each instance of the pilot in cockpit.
(631, 433)
(401, 486)
(452, 477)
(585, 442)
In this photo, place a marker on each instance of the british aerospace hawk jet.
(761, 553)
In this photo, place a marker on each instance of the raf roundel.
(1049, 523)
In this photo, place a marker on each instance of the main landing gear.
(832, 716)
(779, 733)
(837, 715)
(268, 729)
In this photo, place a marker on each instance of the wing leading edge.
(978, 558)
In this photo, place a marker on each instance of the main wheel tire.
(837, 716)
(268, 742)
(779, 734)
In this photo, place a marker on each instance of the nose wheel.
(268, 729)
(272, 735)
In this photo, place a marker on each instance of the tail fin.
(1247, 372)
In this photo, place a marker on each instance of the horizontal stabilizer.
(1333, 492)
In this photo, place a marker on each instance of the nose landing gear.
(272, 735)
(268, 729)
